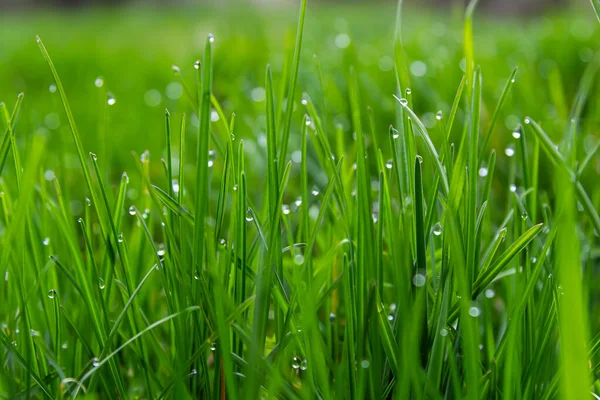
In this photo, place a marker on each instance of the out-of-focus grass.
(392, 251)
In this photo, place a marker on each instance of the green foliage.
(379, 220)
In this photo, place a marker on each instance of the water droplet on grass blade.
(46, 241)
(512, 188)
(120, 238)
(298, 259)
(99, 82)
(509, 151)
(365, 364)
(483, 172)
(516, 134)
(437, 229)
(211, 38)
(95, 362)
(52, 88)
(419, 280)
(249, 216)
(439, 115)
(408, 91)
(403, 101)
(489, 293)
(474, 311)
(295, 363)
(101, 283)
(213, 346)
(197, 64)
(285, 209)
(315, 191)
(132, 210)
(444, 332)
(51, 293)
(94, 156)
(110, 99)
(527, 120)
(304, 365)
(389, 164)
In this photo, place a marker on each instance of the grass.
(410, 225)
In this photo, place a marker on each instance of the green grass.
(406, 225)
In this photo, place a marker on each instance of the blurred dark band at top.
(494, 6)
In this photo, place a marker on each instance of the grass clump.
(312, 246)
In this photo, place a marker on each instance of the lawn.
(343, 201)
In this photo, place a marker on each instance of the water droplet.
(315, 191)
(342, 41)
(46, 241)
(95, 362)
(483, 172)
(365, 364)
(14, 343)
(439, 115)
(527, 120)
(64, 346)
(125, 177)
(419, 280)
(304, 102)
(389, 164)
(210, 163)
(161, 250)
(80, 220)
(295, 363)
(211, 38)
(512, 80)
(194, 372)
(437, 229)
(213, 346)
(408, 91)
(99, 82)
(145, 156)
(197, 64)
(94, 156)
(132, 210)
(298, 259)
(516, 134)
(175, 69)
(120, 238)
(509, 151)
(223, 242)
(110, 99)
(489, 293)
(474, 311)
(444, 332)
(249, 216)
(395, 134)
(403, 101)
(196, 275)
(285, 209)
(512, 188)
(304, 365)
(420, 159)
(51, 293)
(52, 88)
(33, 332)
(332, 317)
(390, 317)
(524, 216)
(235, 187)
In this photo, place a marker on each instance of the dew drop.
(483, 172)
(132, 210)
(403, 101)
(512, 188)
(420, 159)
(419, 280)
(249, 216)
(332, 317)
(80, 220)
(99, 82)
(101, 283)
(524, 216)
(437, 229)
(52, 88)
(235, 187)
(509, 151)
(51, 293)
(194, 372)
(304, 365)
(439, 115)
(444, 332)
(527, 120)
(298, 259)
(389, 164)
(365, 364)
(210, 163)
(285, 209)
(295, 363)
(46, 241)
(516, 134)
(110, 99)
(408, 91)
(95, 361)
(94, 156)
(395, 134)
(197, 64)
(213, 346)
(64, 346)
(120, 238)
(33, 332)
(474, 312)
(211, 38)
(175, 69)
(315, 191)
(489, 293)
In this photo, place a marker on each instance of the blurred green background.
(126, 54)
